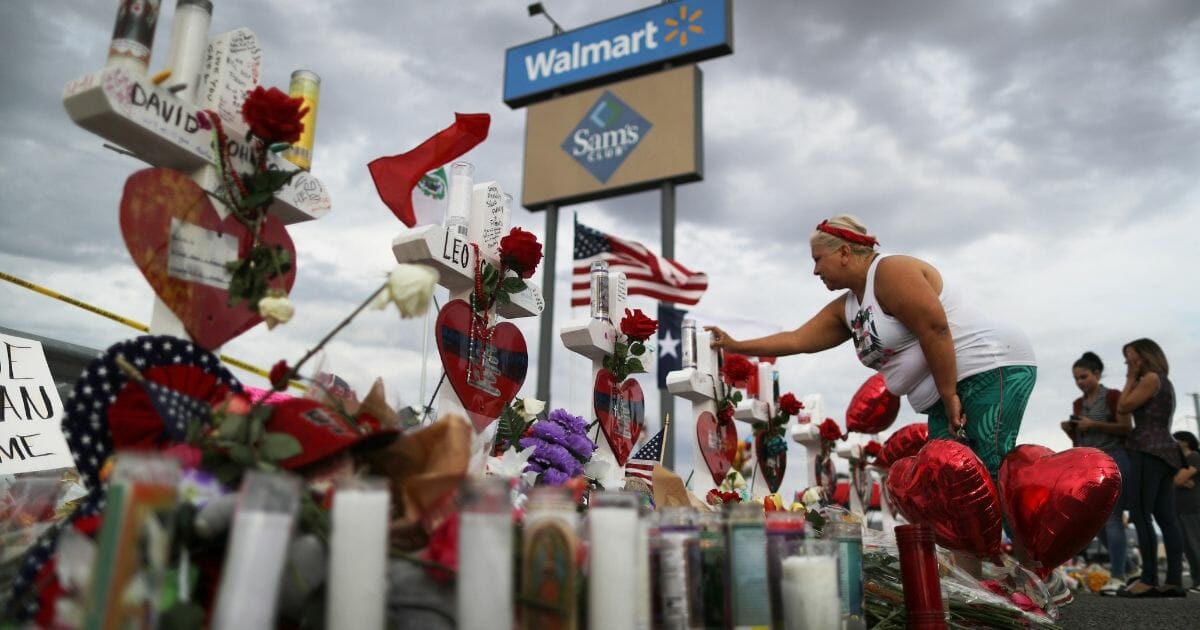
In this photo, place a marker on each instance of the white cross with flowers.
(595, 339)
(698, 382)
(757, 407)
(860, 480)
(476, 219)
(164, 128)
(807, 433)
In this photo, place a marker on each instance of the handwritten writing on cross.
(699, 383)
(757, 407)
(594, 338)
(163, 129)
(451, 249)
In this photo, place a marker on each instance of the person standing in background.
(1155, 456)
(1187, 503)
(1095, 423)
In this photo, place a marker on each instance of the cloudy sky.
(1042, 154)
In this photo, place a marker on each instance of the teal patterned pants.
(994, 402)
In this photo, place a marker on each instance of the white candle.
(358, 557)
(613, 567)
(810, 595)
(485, 571)
(645, 610)
(253, 568)
(458, 200)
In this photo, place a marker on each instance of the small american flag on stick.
(641, 465)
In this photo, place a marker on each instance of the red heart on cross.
(1056, 502)
(947, 487)
(773, 466)
(621, 410)
(500, 365)
(180, 243)
(718, 444)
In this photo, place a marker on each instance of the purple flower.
(552, 477)
(581, 446)
(564, 418)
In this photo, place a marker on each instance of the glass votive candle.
(809, 585)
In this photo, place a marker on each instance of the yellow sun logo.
(681, 27)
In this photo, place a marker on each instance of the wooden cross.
(594, 338)
(476, 219)
(757, 407)
(162, 127)
(698, 381)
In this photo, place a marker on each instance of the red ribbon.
(848, 235)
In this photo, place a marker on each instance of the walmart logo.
(602, 141)
(678, 29)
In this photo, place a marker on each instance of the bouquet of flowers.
(560, 446)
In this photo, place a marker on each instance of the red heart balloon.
(496, 379)
(621, 410)
(1055, 503)
(718, 444)
(873, 408)
(947, 487)
(905, 442)
(773, 466)
(167, 221)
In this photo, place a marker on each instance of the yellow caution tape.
(131, 323)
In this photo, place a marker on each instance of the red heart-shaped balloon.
(718, 444)
(180, 243)
(621, 410)
(947, 487)
(1055, 503)
(499, 367)
(772, 466)
(873, 408)
(905, 442)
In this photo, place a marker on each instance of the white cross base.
(154, 125)
(698, 385)
(595, 339)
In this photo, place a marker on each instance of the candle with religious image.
(599, 290)
(133, 35)
(687, 344)
(747, 556)
(485, 556)
(358, 554)
(612, 563)
(257, 551)
(714, 587)
(549, 548)
(679, 557)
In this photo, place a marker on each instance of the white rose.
(409, 287)
(276, 309)
(812, 496)
(531, 407)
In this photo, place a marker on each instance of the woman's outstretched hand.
(720, 338)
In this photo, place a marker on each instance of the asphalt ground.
(1118, 613)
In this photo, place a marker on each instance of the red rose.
(726, 412)
(872, 449)
(830, 430)
(274, 116)
(789, 404)
(443, 549)
(278, 373)
(637, 326)
(521, 252)
(737, 369)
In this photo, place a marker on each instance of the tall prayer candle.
(189, 43)
(485, 555)
(809, 586)
(612, 563)
(133, 35)
(919, 574)
(749, 601)
(645, 606)
(599, 295)
(679, 556)
(548, 560)
(688, 344)
(358, 555)
(714, 588)
(257, 552)
(458, 199)
(783, 530)
(848, 537)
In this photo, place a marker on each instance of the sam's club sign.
(684, 31)
(605, 137)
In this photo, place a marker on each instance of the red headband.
(847, 235)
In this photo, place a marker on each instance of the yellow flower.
(276, 309)
(409, 287)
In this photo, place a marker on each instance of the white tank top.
(885, 344)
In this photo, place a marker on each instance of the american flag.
(645, 272)
(642, 464)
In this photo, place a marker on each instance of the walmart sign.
(684, 31)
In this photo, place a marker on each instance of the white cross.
(595, 336)
(476, 214)
(698, 383)
(860, 480)
(808, 435)
(121, 105)
(757, 407)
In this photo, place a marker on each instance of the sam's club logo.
(605, 137)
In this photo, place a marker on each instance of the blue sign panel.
(634, 43)
(606, 136)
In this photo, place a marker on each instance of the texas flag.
(670, 353)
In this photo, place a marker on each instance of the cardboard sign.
(31, 412)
